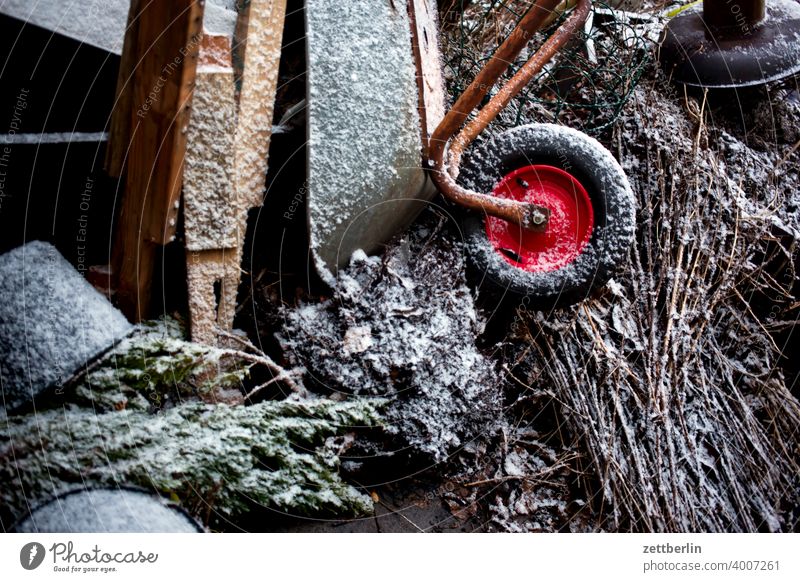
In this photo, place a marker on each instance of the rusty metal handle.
(528, 216)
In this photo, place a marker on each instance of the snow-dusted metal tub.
(365, 177)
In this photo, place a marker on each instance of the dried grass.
(669, 382)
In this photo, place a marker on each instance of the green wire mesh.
(585, 86)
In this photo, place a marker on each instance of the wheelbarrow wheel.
(591, 224)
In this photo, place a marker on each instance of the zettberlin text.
(670, 549)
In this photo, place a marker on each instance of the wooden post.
(226, 162)
(214, 217)
(259, 36)
(119, 132)
(163, 42)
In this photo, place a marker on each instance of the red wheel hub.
(569, 228)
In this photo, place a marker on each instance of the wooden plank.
(216, 196)
(430, 81)
(165, 44)
(119, 132)
(215, 21)
(212, 281)
(212, 214)
(214, 220)
(160, 121)
(258, 51)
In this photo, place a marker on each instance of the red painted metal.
(568, 230)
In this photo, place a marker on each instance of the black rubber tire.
(608, 188)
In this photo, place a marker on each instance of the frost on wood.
(226, 160)
(212, 278)
(213, 214)
(260, 27)
(403, 326)
(218, 460)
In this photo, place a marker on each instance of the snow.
(52, 322)
(364, 146)
(108, 511)
(404, 326)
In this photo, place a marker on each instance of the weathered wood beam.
(428, 58)
(164, 42)
(227, 159)
(119, 132)
(214, 218)
(258, 51)
(211, 209)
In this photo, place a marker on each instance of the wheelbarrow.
(547, 211)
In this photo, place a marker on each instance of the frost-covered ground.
(403, 326)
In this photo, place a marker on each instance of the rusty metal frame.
(444, 159)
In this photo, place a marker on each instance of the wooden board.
(165, 42)
(213, 217)
(258, 38)
(212, 281)
(227, 159)
(430, 80)
(217, 22)
(119, 133)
